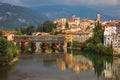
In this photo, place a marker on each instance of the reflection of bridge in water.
(56, 41)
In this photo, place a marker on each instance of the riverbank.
(25, 55)
(13, 61)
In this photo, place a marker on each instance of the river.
(72, 65)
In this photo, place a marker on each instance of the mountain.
(12, 16)
(56, 11)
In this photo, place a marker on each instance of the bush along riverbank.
(8, 52)
(95, 43)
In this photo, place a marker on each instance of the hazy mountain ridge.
(57, 11)
(15, 16)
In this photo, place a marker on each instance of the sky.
(31, 3)
(109, 7)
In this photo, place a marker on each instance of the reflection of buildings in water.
(116, 68)
(68, 58)
(61, 64)
(76, 68)
(108, 71)
(112, 70)
(76, 63)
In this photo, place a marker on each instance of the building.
(73, 22)
(61, 22)
(109, 31)
(9, 35)
(81, 36)
(112, 34)
(87, 23)
(40, 33)
(98, 18)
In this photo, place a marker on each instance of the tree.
(98, 34)
(95, 43)
(28, 30)
(66, 25)
(1, 34)
(8, 51)
(48, 26)
(39, 28)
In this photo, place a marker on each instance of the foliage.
(8, 51)
(39, 28)
(69, 44)
(98, 34)
(75, 44)
(48, 26)
(66, 25)
(17, 31)
(95, 43)
(98, 61)
(57, 32)
(1, 34)
(28, 30)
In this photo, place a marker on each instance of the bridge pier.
(33, 47)
(22, 47)
(65, 45)
(38, 49)
(43, 47)
(53, 47)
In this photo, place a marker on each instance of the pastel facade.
(112, 34)
(81, 36)
(40, 33)
(9, 35)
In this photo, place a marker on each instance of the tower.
(73, 17)
(98, 17)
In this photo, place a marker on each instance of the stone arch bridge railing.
(40, 38)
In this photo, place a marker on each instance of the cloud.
(62, 2)
(15, 2)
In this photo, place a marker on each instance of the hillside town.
(81, 30)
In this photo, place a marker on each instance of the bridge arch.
(52, 39)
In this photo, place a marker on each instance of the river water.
(63, 66)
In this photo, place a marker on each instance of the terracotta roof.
(87, 20)
(7, 34)
(70, 20)
(112, 24)
(81, 32)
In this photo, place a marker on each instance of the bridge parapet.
(40, 38)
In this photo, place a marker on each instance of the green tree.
(1, 34)
(30, 30)
(48, 26)
(95, 43)
(39, 28)
(8, 51)
(98, 34)
(66, 25)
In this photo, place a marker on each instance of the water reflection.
(86, 66)
(5, 70)
(76, 63)
(112, 70)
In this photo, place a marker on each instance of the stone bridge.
(35, 40)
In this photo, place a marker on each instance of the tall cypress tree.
(98, 34)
